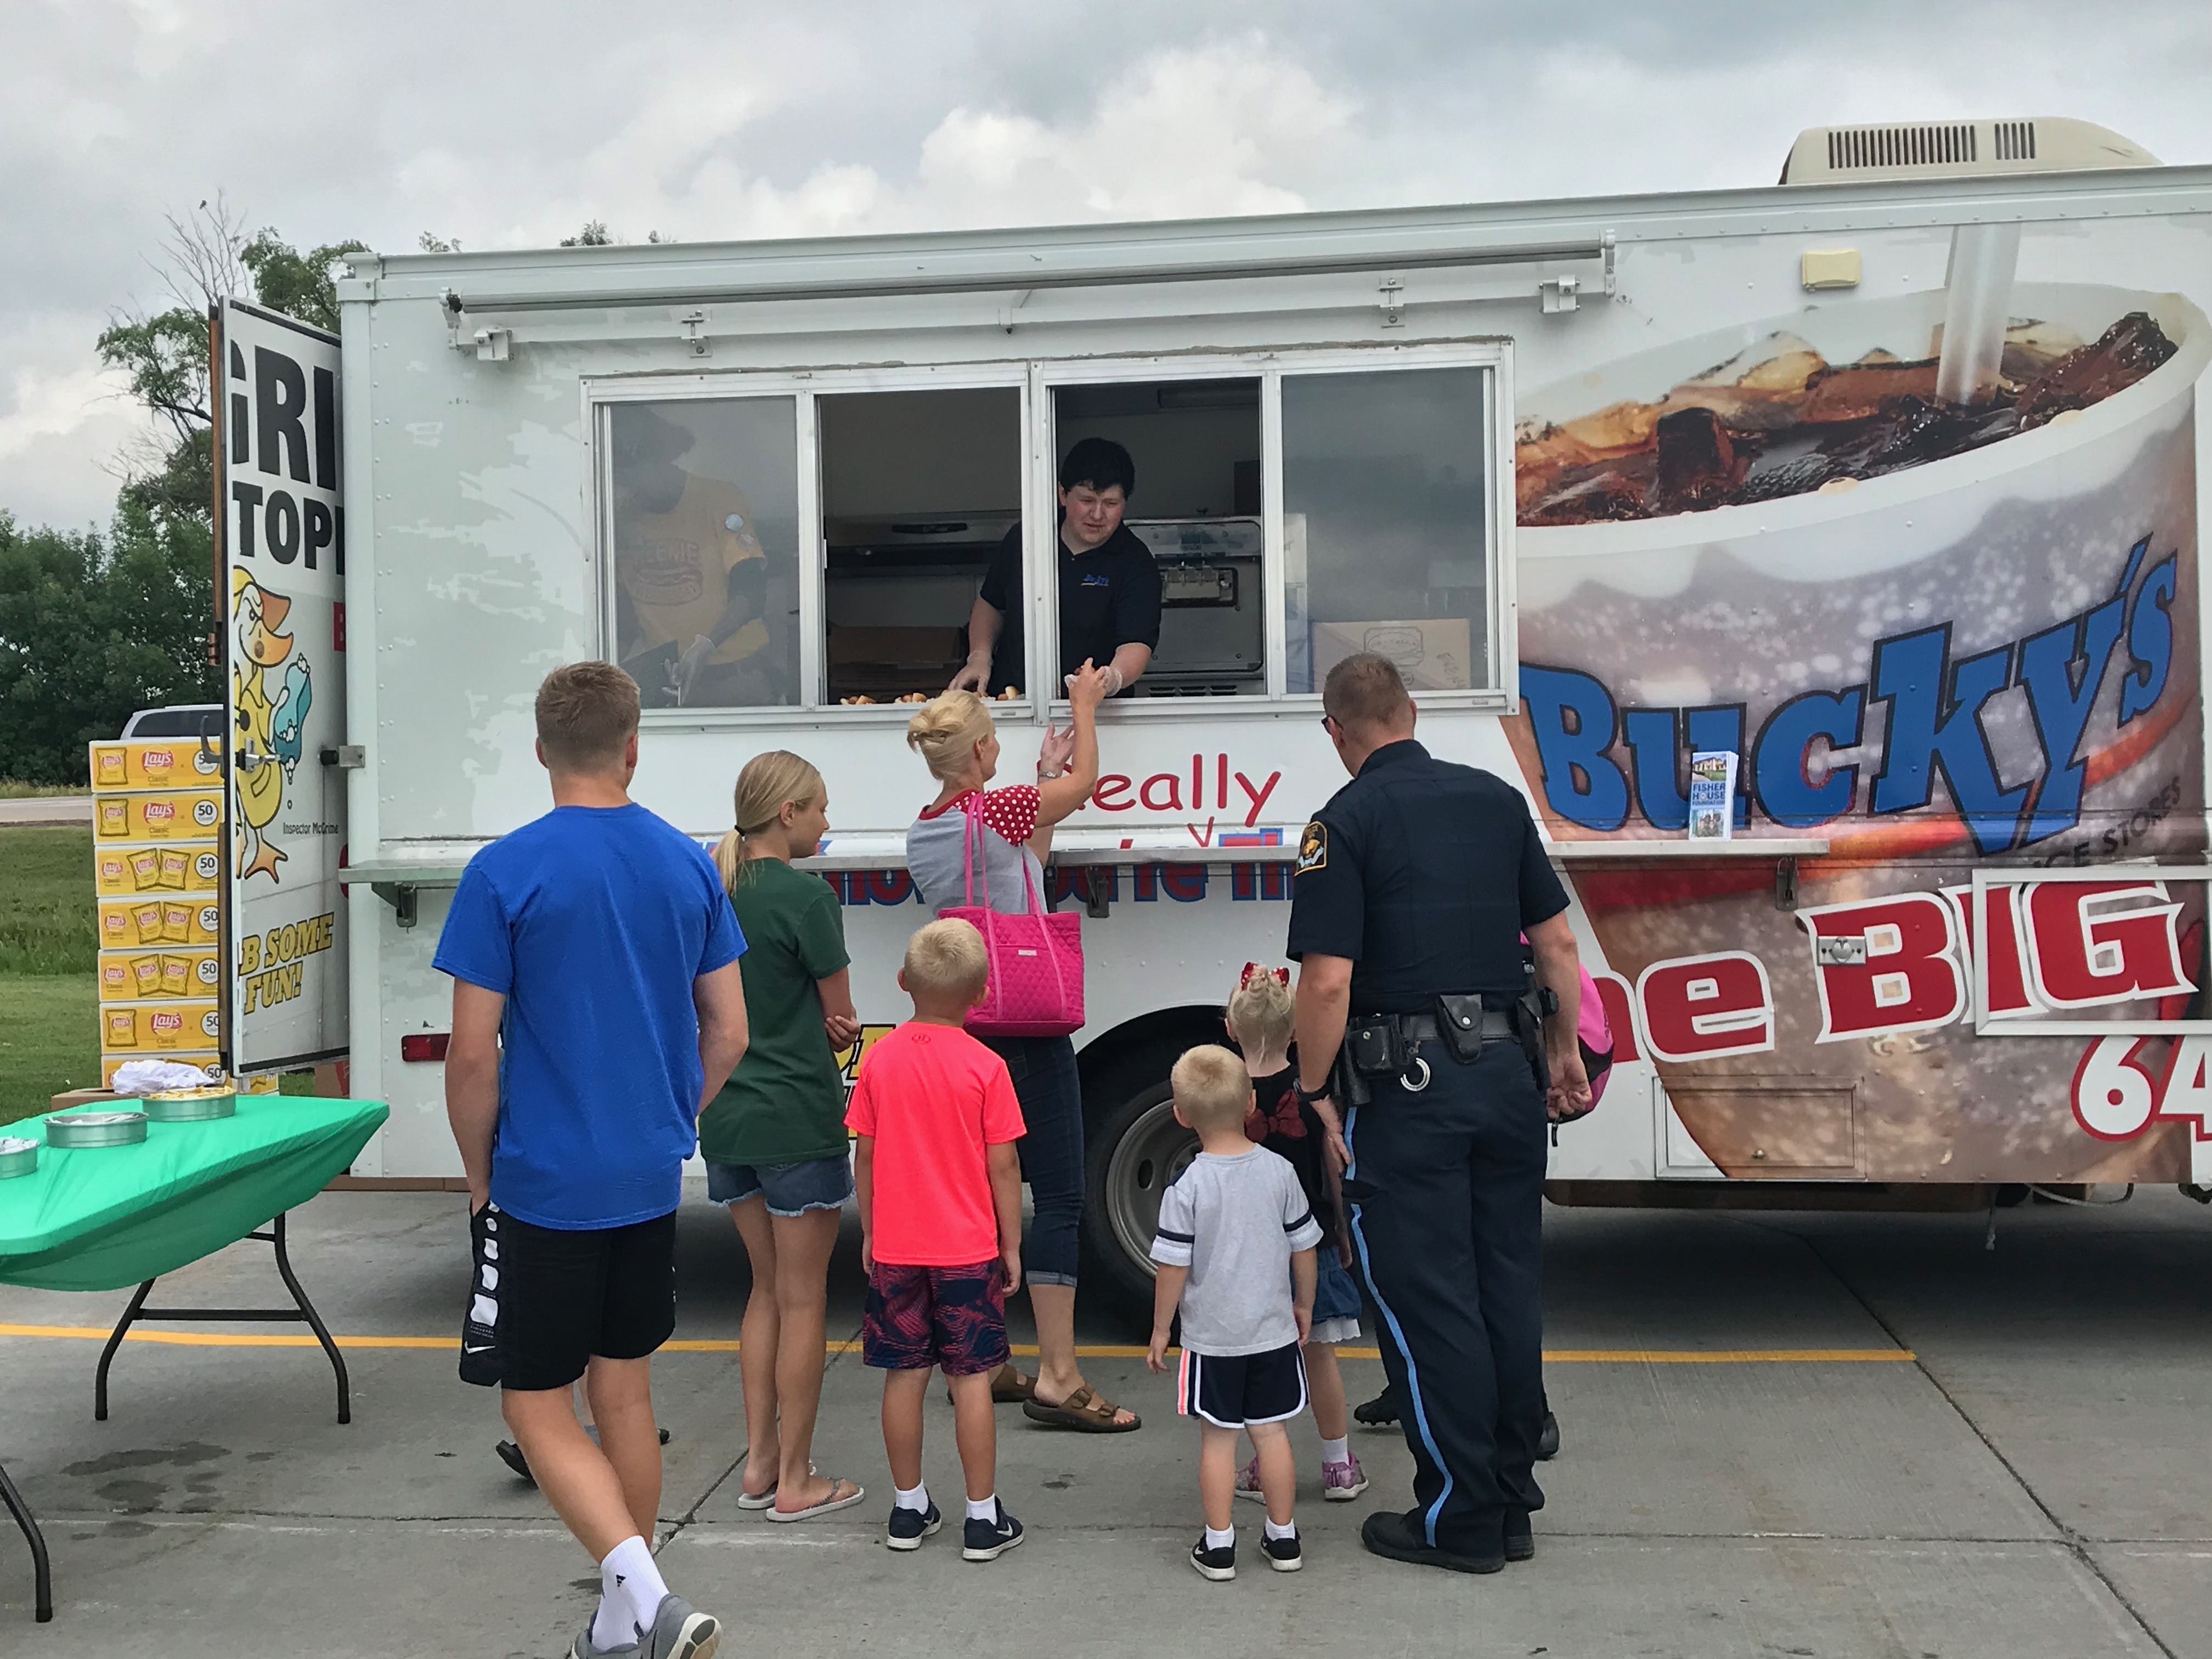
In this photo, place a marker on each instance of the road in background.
(2030, 1480)
(45, 808)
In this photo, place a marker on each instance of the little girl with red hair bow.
(1259, 1022)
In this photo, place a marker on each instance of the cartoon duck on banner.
(257, 773)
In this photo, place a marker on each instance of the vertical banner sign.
(283, 534)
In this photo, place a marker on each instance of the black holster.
(1528, 1026)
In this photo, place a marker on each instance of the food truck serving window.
(703, 526)
(855, 538)
(1386, 525)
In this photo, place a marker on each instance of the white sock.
(1223, 1539)
(1288, 1530)
(984, 1509)
(917, 1500)
(1336, 1451)
(631, 1588)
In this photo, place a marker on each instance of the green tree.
(92, 627)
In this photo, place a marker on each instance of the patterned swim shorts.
(952, 1317)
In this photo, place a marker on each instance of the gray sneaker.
(679, 1632)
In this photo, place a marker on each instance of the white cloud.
(512, 122)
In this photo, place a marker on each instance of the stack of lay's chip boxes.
(157, 864)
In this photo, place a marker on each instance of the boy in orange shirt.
(939, 1188)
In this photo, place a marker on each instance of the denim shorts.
(791, 1189)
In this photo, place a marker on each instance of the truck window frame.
(1036, 379)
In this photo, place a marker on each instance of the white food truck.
(1886, 480)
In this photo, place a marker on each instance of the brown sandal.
(1085, 1411)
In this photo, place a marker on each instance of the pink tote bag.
(1037, 958)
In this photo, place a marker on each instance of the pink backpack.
(1595, 1033)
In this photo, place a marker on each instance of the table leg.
(42, 1577)
(301, 1311)
(107, 1353)
(315, 1322)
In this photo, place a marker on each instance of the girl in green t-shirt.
(774, 1138)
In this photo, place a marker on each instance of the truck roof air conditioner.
(1957, 149)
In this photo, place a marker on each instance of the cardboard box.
(1433, 654)
(160, 1028)
(162, 815)
(155, 764)
(159, 918)
(210, 1064)
(130, 871)
(163, 973)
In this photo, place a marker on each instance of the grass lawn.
(13, 789)
(49, 1039)
(49, 1002)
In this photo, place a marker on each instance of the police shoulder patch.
(1313, 847)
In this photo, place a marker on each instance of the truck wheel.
(1136, 1149)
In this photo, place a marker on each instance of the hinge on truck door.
(1393, 291)
(695, 332)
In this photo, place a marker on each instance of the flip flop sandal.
(763, 1500)
(1084, 1411)
(829, 1503)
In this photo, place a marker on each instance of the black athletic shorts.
(1232, 1391)
(564, 1296)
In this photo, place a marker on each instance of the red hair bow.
(1253, 968)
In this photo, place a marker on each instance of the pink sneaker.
(1248, 1481)
(1341, 1482)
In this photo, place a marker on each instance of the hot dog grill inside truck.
(1886, 479)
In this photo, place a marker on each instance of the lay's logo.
(117, 974)
(167, 1023)
(158, 760)
(160, 811)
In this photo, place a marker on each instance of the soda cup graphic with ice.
(1937, 637)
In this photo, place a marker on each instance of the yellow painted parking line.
(1023, 1350)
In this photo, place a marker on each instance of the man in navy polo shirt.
(597, 1008)
(1109, 587)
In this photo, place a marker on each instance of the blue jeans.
(1051, 1096)
(789, 1189)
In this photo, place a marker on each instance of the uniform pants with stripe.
(1447, 1187)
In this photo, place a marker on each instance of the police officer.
(1413, 887)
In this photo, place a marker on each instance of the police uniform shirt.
(1423, 874)
(1109, 597)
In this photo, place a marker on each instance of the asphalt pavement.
(45, 808)
(1789, 1434)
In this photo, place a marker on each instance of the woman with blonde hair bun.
(774, 1138)
(953, 735)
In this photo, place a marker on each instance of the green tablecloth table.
(98, 1218)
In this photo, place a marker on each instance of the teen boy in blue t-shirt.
(597, 1008)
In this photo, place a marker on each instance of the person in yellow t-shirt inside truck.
(691, 576)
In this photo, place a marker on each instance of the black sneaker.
(1399, 1537)
(986, 1540)
(1520, 1540)
(909, 1526)
(1282, 1554)
(1380, 1411)
(1217, 1565)
(1548, 1439)
(511, 1455)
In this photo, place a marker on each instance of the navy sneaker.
(1219, 1564)
(1282, 1554)
(909, 1526)
(986, 1540)
(1548, 1439)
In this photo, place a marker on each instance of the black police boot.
(1400, 1537)
(1380, 1411)
(1520, 1540)
(1547, 1441)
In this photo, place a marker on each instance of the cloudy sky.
(510, 125)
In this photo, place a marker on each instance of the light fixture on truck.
(424, 1045)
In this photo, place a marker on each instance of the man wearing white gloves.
(1109, 587)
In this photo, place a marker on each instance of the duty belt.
(1497, 1025)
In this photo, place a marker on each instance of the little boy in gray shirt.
(1236, 1254)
